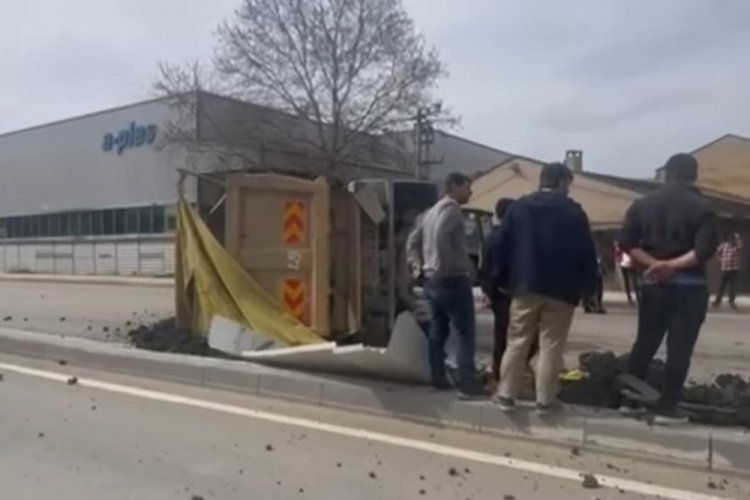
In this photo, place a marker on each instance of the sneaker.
(472, 392)
(544, 410)
(442, 385)
(505, 404)
(668, 418)
(632, 411)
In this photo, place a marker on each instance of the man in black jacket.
(498, 298)
(547, 261)
(671, 234)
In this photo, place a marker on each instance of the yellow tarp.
(211, 282)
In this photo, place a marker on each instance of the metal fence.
(123, 255)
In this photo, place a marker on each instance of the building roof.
(508, 161)
(713, 143)
(724, 204)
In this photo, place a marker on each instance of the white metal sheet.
(127, 258)
(104, 257)
(153, 256)
(83, 253)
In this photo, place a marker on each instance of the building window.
(119, 221)
(131, 221)
(96, 223)
(108, 221)
(160, 222)
(74, 224)
(44, 224)
(86, 223)
(146, 220)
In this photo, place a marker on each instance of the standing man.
(438, 245)
(730, 260)
(671, 234)
(547, 261)
(627, 272)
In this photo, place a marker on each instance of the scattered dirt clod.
(373, 475)
(62, 362)
(453, 472)
(269, 447)
(575, 451)
(72, 380)
(589, 481)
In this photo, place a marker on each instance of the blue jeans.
(451, 302)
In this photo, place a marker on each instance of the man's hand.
(661, 271)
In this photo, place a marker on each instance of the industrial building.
(96, 194)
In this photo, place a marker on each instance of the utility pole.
(424, 132)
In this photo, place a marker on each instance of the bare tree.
(349, 70)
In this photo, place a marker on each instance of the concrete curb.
(89, 280)
(706, 448)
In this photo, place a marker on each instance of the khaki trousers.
(552, 319)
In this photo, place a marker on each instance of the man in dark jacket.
(547, 261)
(498, 298)
(671, 234)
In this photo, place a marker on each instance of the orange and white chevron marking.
(295, 216)
(294, 297)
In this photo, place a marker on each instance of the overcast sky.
(627, 81)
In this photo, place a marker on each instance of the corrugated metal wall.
(130, 256)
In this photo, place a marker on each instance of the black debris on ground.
(73, 381)
(575, 451)
(196, 497)
(453, 472)
(8, 318)
(509, 497)
(166, 336)
(41, 435)
(373, 475)
(62, 362)
(724, 401)
(422, 492)
(269, 447)
(63, 319)
(589, 481)
(25, 320)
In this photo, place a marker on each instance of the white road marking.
(414, 444)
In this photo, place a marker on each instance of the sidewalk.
(89, 279)
(702, 447)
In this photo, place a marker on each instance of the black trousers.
(630, 283)
(728, 280)
(677, 311)
(501, 312)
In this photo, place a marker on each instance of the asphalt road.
(118, 437)
(107, 312)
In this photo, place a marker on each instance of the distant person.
(628, 273)
(547, 262)
(438, 245)
(671, 234)
(730, 260)
(498, 298)
(595, 303)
